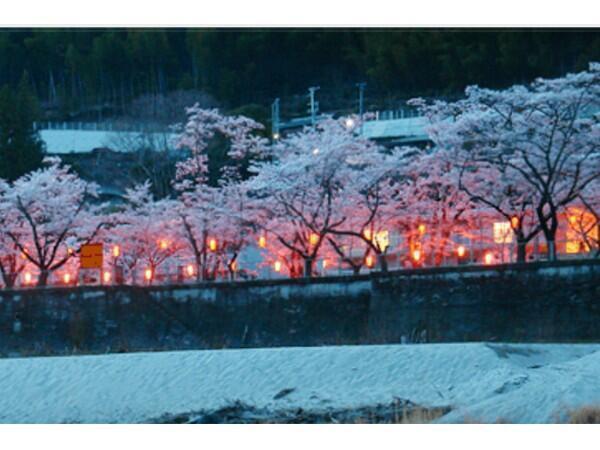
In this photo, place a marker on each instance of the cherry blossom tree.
(146, 233)
(48, 216)
(438, 210)
(541, 143)
(12, 261)
(374, 200)
(300, 192)
(203, 125)
(215, 218)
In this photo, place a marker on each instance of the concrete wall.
(536, 302)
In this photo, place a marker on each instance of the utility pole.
(275, 119)
(361, 102)
(314, 106)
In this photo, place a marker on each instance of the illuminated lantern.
(324, 264)
(234, 265)
(189, 269)
(349, 123)
(106, 277)
(314, 239)
(212, 245)
(275, 136)
(70, 251)
(277, 266)
(23, 255)
(514, 222)
(116, 251)
(262, 242)
(27, 278)
(461, 250)
(148, 274)
(488, 258)
(315, 151)
(367, 234)
(416, 255)
(369, 262)
(422, 229)
(164, 244)
(67, 278)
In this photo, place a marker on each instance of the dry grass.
(412, 416)
(585, 415)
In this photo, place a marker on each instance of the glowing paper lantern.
(416, 255)
(189, 269)
(314, 239)
(262, 242)
(488, 258)
(212, 244)
(116, 251)
(106, 277)
(148, 274)
(277, 266)
(67, 278)
(461, 250)
(514, 222)
(369, 262)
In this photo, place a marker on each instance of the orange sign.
(90, 256)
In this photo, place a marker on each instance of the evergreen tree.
(21, 149)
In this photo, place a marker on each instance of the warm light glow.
(367, 234)
(572, 247)
(23, 255)
(416, 255)
(106, 277)
(67, 278)
(314, 239)
(27, 278)
(212, 245)
(262, 242)
(503, 233)
(234, 265)
(325, 264)
(369, 262)
(189, 269)
(277, 266)
(116, 251)
(461, 250)
(582, 228)
(514, 222)
(164, 244)
(488, 258)
(70, 251)
(382, 239)
(148, 274)
(422, 229)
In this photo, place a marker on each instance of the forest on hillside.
(91, 74)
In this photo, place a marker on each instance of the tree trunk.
(308, 267)
(521, 251)
(43, 279)
(382, 262)
(551, 249)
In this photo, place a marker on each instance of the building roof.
(411, 129)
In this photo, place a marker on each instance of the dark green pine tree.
(21, 148)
